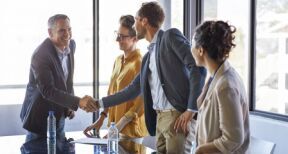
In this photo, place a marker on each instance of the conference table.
(144, 145)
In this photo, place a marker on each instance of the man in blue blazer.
(169, 81)
(50, 86)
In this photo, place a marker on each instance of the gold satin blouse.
(124, 71)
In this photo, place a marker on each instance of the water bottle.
(51, 133)
(193, 148)
(113, 139)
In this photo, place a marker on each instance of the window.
(237, 16)
(23, 27)
(271, 56)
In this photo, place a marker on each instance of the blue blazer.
(181, 79)
(47, 89)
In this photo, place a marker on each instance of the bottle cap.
(112, 123)
(51, 112)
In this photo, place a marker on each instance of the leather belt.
(162, 111)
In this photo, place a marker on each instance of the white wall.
(270, 130)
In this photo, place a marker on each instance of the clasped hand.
(88, 104)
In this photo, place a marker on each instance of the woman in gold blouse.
(129, 116)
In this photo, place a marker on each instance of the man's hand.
(182, 121)
(70, 114)
(88, 104)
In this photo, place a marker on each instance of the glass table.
(65, 147)
(16, 144)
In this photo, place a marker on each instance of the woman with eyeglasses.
(129, 116)
(223, 112)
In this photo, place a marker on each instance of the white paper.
(91, 141)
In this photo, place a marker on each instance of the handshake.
(88, 104)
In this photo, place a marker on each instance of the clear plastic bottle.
(113, 138)
(193, 148)
(51, 133)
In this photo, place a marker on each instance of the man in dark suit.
(50, 86)
(169, 81)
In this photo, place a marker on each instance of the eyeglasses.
(121, 37)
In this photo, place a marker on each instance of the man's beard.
(139, 36)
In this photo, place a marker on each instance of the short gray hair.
(52, 20)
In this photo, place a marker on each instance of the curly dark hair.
(215, 37)
(128, 21)
(153, 12)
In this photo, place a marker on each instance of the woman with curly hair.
(223, 116)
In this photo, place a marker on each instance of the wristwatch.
(104, 114)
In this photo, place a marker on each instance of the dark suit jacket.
(181, 79)
(47, 89)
